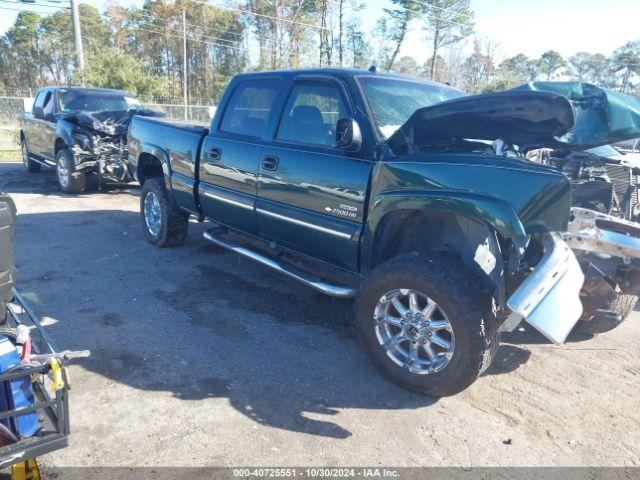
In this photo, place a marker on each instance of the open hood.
(108, 122)
(538, 114)
(602, 116)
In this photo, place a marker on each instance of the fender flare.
(160, 154)
(497, 214)
(63, 134)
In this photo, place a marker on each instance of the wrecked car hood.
(602, 116)
(108, 122)
(537, 114)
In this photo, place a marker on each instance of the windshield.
(95, 101)
(392, 101)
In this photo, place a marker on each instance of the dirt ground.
(201, 358)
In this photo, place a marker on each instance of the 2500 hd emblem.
(343, 211)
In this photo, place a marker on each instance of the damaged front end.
(100, 141)
(598, 255)
(608, 249)
(607, 184)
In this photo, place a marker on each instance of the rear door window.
(250, 106)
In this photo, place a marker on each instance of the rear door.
(311, 195)
(231, 152)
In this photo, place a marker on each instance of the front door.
(311, 195)
(48, 128)
(42, 125)
(231, 152)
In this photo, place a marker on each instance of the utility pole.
(184, 60)
(77, 35)
(340, 18)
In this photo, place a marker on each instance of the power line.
(206, 36)
(121, 16)
(189, 24)
(33, 11)
(39, 5)
(424, 14)
(248, 12)
(189, 38)
(437, 7)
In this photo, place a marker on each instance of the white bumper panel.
(549, 298)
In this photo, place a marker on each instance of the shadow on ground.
(16, 180)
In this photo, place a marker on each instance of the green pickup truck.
(381, 187)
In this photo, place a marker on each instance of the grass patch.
(10, 156)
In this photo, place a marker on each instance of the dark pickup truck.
(79, 132)
(365, 185)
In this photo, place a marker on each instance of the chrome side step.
(313, 282)
(40, 161)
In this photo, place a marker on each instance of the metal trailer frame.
(54, 424)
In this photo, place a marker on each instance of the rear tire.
(29, 165)
(69, 180)
(164, 223)
(623, 304)
(460, 299)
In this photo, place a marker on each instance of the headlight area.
(100, 154)
(83, 152)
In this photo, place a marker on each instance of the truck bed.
(200, 129)
(180, 141)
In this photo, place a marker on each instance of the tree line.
(141, 49)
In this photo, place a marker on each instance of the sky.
(516, 26)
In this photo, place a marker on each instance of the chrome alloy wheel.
(414, 331)
(152, 213)
(64, 172)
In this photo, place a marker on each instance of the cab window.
(311, 114)
(48, 104)
(249, 107)
(39, 105)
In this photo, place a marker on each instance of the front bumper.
(549, 298)
(595, 232)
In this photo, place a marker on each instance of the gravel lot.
(201, 358)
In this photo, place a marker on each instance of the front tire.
(29, 165)
(69, 180)
(427, 323)
(163, 222)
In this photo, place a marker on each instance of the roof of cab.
(334, 72)
(87, 89)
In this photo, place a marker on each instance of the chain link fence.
(190, 113)
(11, 108)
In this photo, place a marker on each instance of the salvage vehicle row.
(450, 218)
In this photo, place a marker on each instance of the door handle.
(270, 162)
(214, 154)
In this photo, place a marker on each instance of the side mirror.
(348, 135)
(38, 112)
